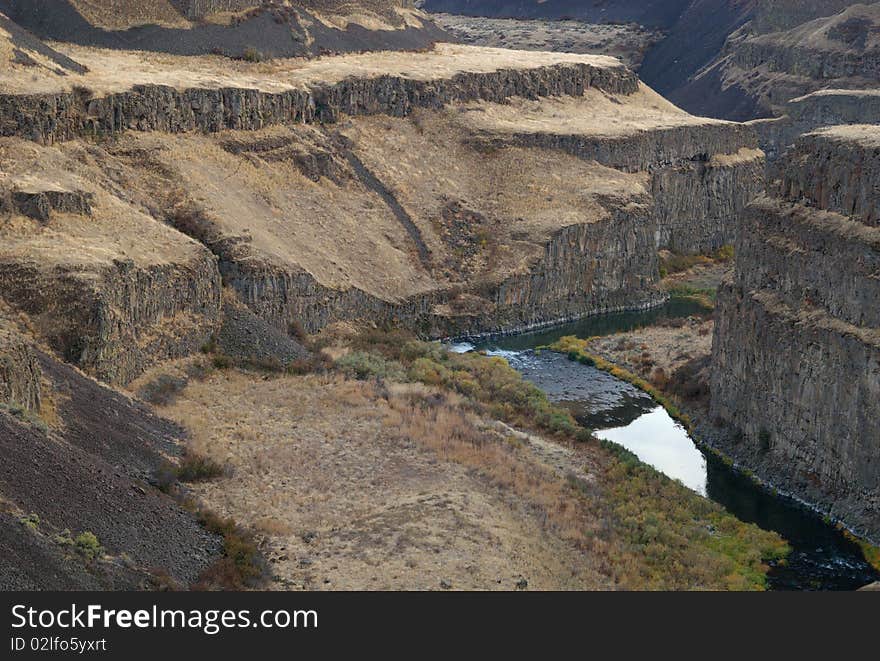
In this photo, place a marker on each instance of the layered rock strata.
(796, 353)
(107, 286)
(461, 191)
(760, 69)
(804, 114)
(48, 118)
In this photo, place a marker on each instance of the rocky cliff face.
(702, 173)
(832, 107)
(796, 353)
(837, 169)
(786, 53)
(116, 321)
(107, 286)
(58, 117)
(19, 371)
(412, 199)
(781, 15)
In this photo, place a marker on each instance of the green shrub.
(87, 544)
(363, 365)
(241, 566)
(724, 253)
(251, 54)
(210, 346)
(30, 521)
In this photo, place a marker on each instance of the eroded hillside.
(181, 225)
(250, 29)
(462, 190)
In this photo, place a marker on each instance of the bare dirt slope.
(83, 459)
(22, 52)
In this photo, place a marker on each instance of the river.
(822, 557)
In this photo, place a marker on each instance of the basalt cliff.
(457, 191)
(796, 355)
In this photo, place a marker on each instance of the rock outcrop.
(457, 230)
(760, 70)
(450, 193)
(781, 15)
(702, 172)
(837, 169)
(796, 353)
(19, 371)
(830, 107)
(62, 116)
(107, 286)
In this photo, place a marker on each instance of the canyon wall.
(702, 176)
(56, 117)
(384, 197)
(19, 371)
(779, 15)
(796, 351)
(830, 107)
(116, 321)
(790, 49)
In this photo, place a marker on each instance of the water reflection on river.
(659, 441)
(822, 557)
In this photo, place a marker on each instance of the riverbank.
(408, 467)
(679, 383)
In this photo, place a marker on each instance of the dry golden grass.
(123, 14)
(288, 219)
(653, 350)
(116, 229)
(398, 488)
(524, 196)
(114, 70)
(378, 485)
(441, 422)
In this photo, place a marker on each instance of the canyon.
(796, 336)
(785, 66)
(441, 256)
(232, 231)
